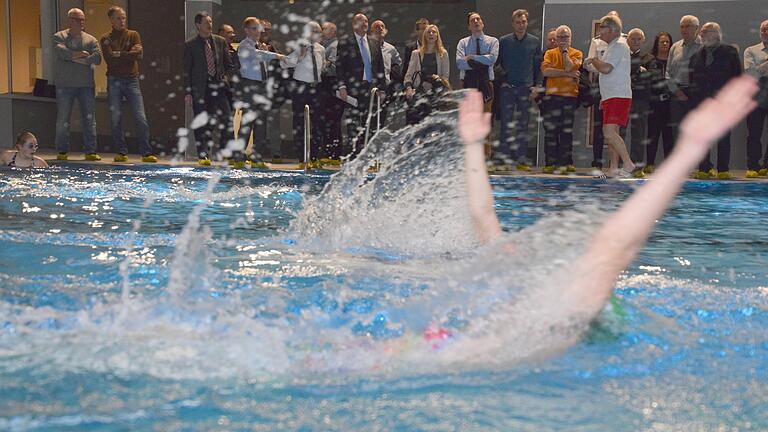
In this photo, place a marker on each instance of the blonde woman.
(428, 73)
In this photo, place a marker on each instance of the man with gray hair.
(76, 53)
(712, 67)
(756, 64)
(678, 71)
(616, 94)
(641, 93)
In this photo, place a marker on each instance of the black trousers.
(638, 124)
(723, 155)
(755, 123)
(216, 105)
(356, 118)
(252, 98)
(659, 126)
(331, 112)
(597, 136)
(306, 94)
(559, 113)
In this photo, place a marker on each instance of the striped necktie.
(210, 58)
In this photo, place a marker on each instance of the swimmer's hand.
(474, 123)
(717, 115)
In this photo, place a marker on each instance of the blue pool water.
(132, 299)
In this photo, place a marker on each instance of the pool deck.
(133, 160)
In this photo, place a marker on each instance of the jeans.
(128, 89)
(559, 112)
(514, 109)
(659, 125)
(86, 99)
(755, 123)
(216, 106)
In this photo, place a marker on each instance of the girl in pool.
(623, 234)
(24, 155)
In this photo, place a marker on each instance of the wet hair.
(23, 137)
(113, 10)
(200, 16)
(655, 49)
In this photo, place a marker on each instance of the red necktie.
(209, 57)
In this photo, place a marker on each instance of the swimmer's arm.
(480, 194)
(474, 126)
(622, 236)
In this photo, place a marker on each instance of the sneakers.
(548, 169)
(701, 175)
(93, 157)
(570, 169)
(121, 158)
(204, 162)
(724, 175)
(649, 169)
(712, 173)
(763, 172)
(523, 167)
(331, 162)
(277, 160)
(62, 156)
(752, 174)
(257, 164)
(149, 159)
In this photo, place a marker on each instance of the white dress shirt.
(489, 52)
(391, 56)
(252, 59)
(303, 64)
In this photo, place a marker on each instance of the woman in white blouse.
(428, 73)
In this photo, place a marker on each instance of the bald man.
(76, 52)
(359, 69)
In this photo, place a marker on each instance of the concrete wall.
(740, 21)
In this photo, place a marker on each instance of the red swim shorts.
(616, 111)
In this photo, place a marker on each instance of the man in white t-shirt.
(615, 92)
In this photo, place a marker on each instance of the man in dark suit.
(710, 69)
(359, 68)
(413, 45)
(207, 64)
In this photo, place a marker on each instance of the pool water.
(189, 299)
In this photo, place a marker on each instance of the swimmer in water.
(620, 238)
(24, 154)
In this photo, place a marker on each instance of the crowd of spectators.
(629, 89)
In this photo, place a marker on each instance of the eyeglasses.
(563, 37)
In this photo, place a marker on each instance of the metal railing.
(374, 95)
(307, 138)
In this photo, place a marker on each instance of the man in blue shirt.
(520, 66)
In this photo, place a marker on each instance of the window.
(26, 53)
(3, 47)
